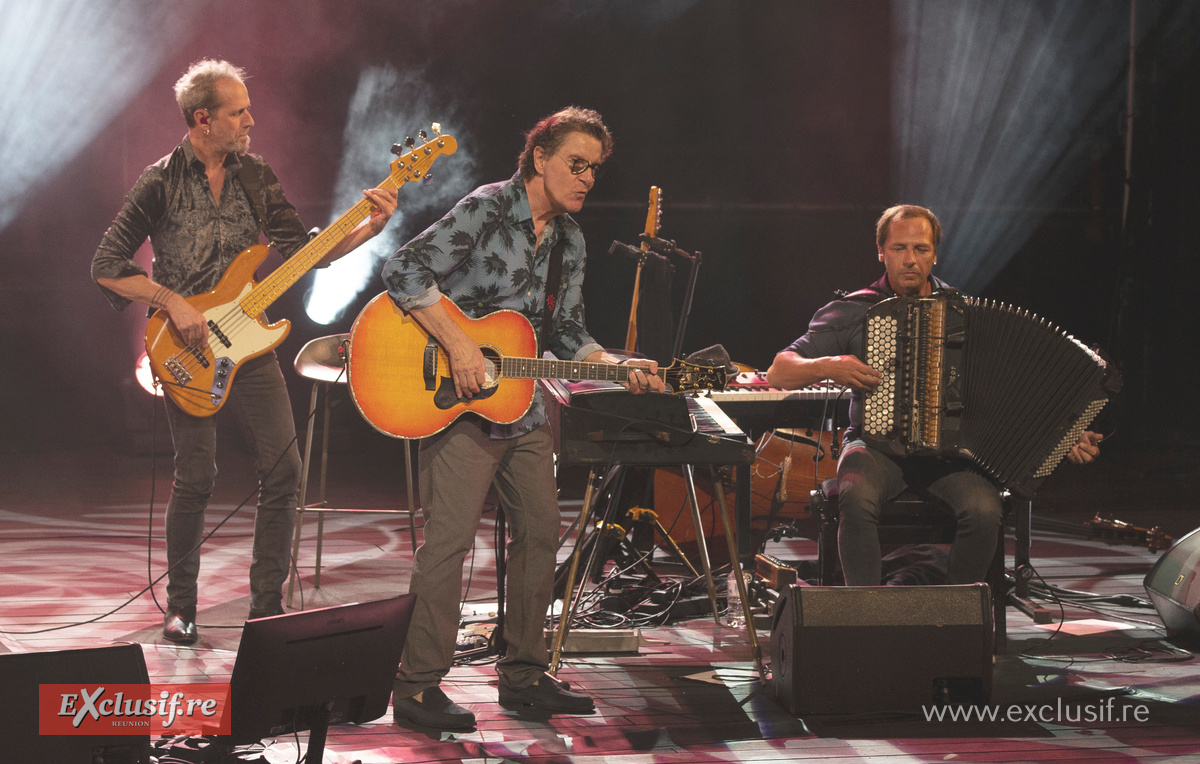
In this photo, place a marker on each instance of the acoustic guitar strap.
(553, 287)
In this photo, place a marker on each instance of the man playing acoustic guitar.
(495, 251)
(201, 205)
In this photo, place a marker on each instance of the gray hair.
(197, 88)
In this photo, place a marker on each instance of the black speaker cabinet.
(1173, 585)
(20, 675)
(865, 649)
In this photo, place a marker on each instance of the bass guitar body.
(400, 378)
(198, 378)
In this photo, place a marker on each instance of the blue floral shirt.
(484, 256)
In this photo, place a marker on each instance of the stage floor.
(74, 544)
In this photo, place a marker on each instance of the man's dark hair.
(901, 211)
(554, 129)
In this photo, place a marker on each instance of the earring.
(206, 131)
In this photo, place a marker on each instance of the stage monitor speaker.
(1173, 585)
(20, 675)
(867, 649)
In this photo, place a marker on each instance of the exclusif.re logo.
(133, 709)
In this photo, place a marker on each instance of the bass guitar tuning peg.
(409, 142)
(422, 135)
(436, 127)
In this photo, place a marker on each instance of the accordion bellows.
(981, 380)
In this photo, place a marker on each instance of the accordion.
(981, 380)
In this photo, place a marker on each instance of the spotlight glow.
(387, 101)
(68, 68)
(997, 108)
(145, 377)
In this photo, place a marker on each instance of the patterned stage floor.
(74, 544)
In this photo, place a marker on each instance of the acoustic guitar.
(400, 377)
(198, 378)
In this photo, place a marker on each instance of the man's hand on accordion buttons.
(1087, 449)
(849, 371)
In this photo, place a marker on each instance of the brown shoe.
(179, 625)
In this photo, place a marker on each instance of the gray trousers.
(867, 478)
(457, 466)
(259, 403)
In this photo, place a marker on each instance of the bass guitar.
(198, 377)
(400, 376)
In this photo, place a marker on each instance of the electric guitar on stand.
(653, 220)
(198, 378)
(401, 383)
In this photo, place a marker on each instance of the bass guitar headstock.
(413, 162)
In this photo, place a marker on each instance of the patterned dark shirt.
(838, 329)
(484, 256)
(194, 238)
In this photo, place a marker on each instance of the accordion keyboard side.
(1032, 391)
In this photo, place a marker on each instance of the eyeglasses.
(579, 165)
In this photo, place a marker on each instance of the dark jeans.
(867, 478)
(259, 402)
(457, 466)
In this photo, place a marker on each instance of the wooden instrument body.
(208, 380)
(780, 481)
(388, 351)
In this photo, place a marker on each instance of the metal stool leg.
(300, 505)
(321, 490)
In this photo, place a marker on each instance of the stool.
(323, 360)
(913, 519)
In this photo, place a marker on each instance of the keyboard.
(757, 406)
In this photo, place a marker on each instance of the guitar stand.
(572, 595)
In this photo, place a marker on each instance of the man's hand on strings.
(190, 323)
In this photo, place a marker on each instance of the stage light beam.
(68, 68)
(385, 99)
(997, 109)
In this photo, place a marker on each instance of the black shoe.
(179, 625)
(548, 695)
(266, 612)
(434, 709)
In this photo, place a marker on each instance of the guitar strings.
(237, 318)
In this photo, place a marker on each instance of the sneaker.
(434, 709)
(549, 695)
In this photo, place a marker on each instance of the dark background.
(768, 126)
